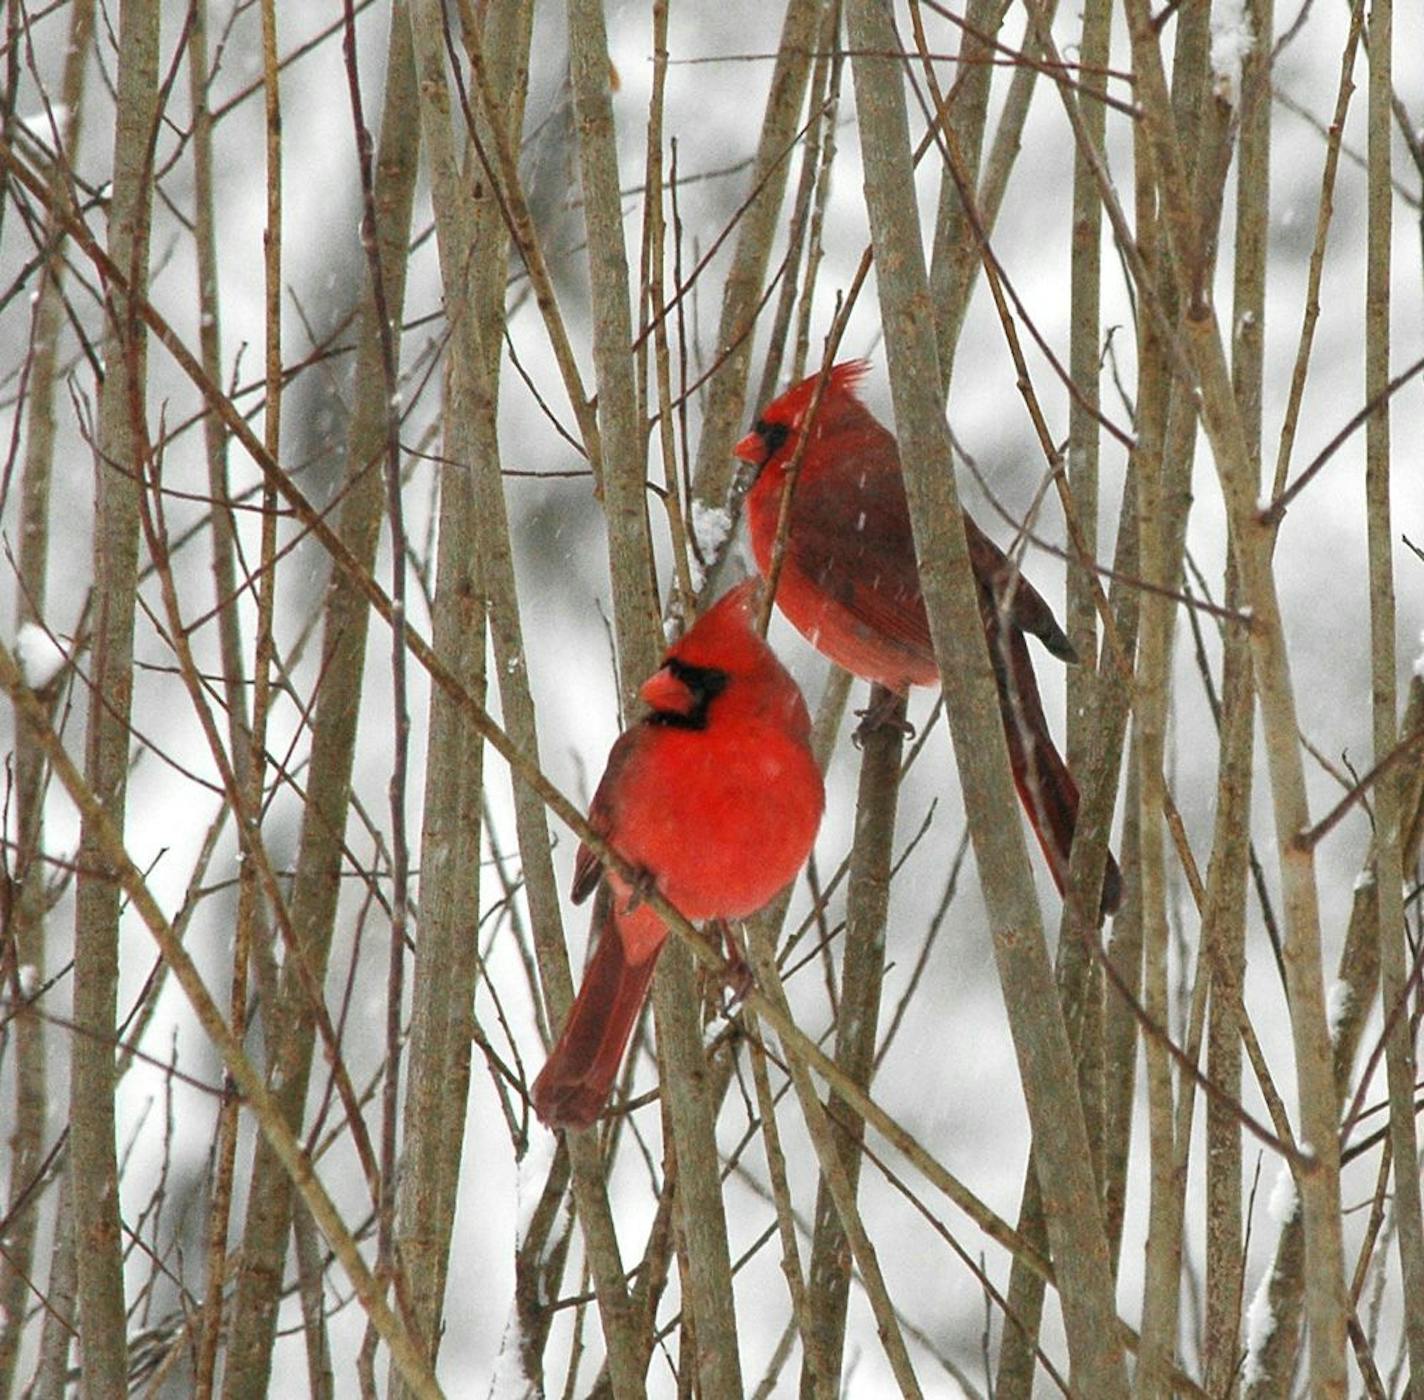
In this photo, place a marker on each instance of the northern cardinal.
(714, 796)
(849, 583)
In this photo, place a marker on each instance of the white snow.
(1231, 40)
(509, 1381)
(1419, 660)
(1364, 879)
(29, 976)
(1284, 1200)
(711, 525)
(1337, 1003)
(533, 1173)
(1261, 1320)
(39, 655)
(1261, 1323)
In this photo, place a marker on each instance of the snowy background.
(950, 1077)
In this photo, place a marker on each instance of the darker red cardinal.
(850, 585)
(714, 795)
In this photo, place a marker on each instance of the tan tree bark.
(119, 462)
(1074, 1217)
(317, 884)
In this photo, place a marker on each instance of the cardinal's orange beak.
(663, 691)
(751, 449)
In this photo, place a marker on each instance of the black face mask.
(704, 683)
(773, 436)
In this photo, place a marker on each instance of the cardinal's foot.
(640, 887)
(883, 712)
(737, 978)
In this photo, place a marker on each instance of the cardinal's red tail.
(1046, 787)
(575, 1082)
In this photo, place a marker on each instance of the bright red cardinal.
(850, 585)
(715, 795)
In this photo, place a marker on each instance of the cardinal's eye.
(774, 435)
